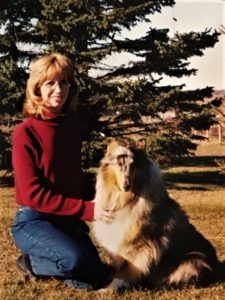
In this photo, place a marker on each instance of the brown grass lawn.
(198, 184)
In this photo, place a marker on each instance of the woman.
(49, 226)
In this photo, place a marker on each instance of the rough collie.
(150, 240)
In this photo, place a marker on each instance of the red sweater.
(46, 158)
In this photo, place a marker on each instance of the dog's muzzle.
(126, 185)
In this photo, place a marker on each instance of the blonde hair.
(43, 68)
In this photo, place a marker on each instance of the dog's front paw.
(118, 284)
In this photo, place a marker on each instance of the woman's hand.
(101, 214)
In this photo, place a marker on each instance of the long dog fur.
(150, 240)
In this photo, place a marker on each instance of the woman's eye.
(50, 83)
(64, 83)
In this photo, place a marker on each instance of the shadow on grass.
(204, 179)
(198, 161)
(199, 180)
(222, 271)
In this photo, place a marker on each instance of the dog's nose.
(126, 187)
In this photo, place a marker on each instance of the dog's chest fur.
(112, 235)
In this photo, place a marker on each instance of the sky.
(191, 15)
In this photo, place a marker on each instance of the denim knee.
(70, 264)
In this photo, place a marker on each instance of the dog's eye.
(121, 159)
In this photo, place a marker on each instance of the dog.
(150, 241)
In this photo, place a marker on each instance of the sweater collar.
(50, 115)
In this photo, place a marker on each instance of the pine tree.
(117, 100)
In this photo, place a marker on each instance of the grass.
(196, 183)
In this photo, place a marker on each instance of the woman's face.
(55, 92)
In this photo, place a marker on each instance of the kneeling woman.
(49, 226)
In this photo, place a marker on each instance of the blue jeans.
(58, 246)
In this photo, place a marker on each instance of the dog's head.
(120, 159)
(131, 170)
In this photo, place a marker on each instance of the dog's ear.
(141, 144)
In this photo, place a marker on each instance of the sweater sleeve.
(33, 190)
